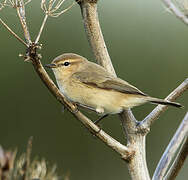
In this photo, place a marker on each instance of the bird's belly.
(109, 101)
(106, 102)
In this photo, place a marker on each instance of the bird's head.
(66, 64)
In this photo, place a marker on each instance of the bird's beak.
(50, 65)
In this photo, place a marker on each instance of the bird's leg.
(102, 117)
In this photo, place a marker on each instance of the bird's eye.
(66, 63)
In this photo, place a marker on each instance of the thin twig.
(171, 149)
(2, 5)
(9, 3)
(12, 32)
(152, 117)
(52, 7)
(178, 163)
(20, 6)
(63, 11)
(41, 28)
(176, 11)
(51, 11)
(27, 2)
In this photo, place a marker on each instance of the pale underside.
(101, 100)
(97, 89)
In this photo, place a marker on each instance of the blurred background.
(148, 47)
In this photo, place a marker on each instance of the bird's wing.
(105, 80)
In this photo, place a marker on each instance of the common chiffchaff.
(90, 85)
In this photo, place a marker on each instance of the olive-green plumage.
(90, 85)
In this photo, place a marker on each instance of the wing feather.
(103, 79)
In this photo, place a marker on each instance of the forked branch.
(153, 116)
(51, 8)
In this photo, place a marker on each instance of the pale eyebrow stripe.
(70, 61)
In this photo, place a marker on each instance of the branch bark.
(178, 163)
(175, 143)
(94, 34)
(136, 140)
(170, 5)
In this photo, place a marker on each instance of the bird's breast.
(111, 101)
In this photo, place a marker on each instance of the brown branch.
(178, 163)
(152, 117)
(175, 143)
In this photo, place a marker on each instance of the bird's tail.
(164, 102)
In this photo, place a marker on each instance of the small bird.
(90, 85)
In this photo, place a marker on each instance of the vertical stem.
(41, 29)
(94, 34)
(136, 141)
(137, 166)
(21, 13)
